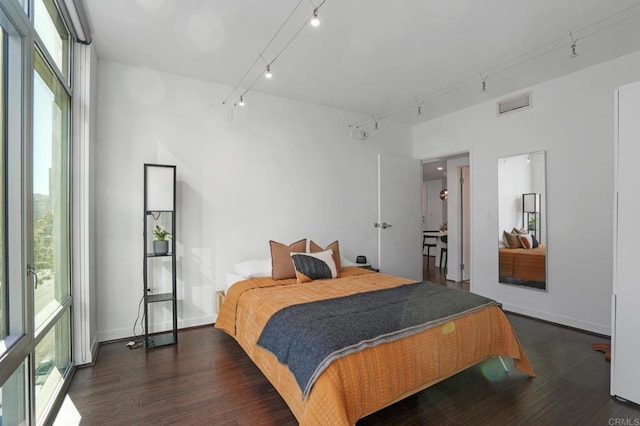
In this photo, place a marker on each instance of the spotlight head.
(268, 74)
(315, 21)
(241, 103)
(573, 54)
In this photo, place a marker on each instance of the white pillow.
(253, 268)
(346, 262)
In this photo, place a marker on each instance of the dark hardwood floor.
(208, 379)
(432, 272)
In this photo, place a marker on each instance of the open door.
(399, 230)
(466, 223)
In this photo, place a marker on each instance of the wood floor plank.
(208, 379)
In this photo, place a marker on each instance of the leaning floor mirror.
(522, 248)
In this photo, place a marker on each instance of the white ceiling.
(375, 57)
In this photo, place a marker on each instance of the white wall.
(279, 169)
(572, 118)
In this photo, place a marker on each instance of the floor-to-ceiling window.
(35, 277)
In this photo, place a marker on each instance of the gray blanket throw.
(309, 336)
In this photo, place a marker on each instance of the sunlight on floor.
(68, 414)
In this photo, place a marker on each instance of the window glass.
(46, 347)
(53, 33)
(13, 401)
(53, 358)
(50, 192)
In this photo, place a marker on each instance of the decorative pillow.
(281, 264)
(315, 248)
(535, 241)
(253, 268)
(511, 240)
(517, 231)
(314, 266)
(526, 241)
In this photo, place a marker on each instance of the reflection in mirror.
(521, 220)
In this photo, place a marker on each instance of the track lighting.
(315, 21)
(484, 82)
(574, 42)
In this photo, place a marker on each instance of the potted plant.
(161, 243)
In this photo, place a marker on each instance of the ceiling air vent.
(514, 104)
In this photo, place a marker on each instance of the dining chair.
(426, 244)
(443, 251)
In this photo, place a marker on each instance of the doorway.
(445, 210)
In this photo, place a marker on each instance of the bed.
(367, 380)
(523, 264)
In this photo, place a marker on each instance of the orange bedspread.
(523, 264)
(364, 382)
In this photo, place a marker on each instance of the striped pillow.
(314, 266)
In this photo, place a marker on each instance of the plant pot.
(160, 247)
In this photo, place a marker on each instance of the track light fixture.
(484, 82)
(574, 42)
(241, 103)
(315, 21)
(268, 74)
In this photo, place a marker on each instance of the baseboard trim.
(125, 333)
(573, 323)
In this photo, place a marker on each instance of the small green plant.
(161, 234)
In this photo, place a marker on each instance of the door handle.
(383, 225)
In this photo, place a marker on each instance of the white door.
(399, 231)
(455, 218)
(625, 374)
